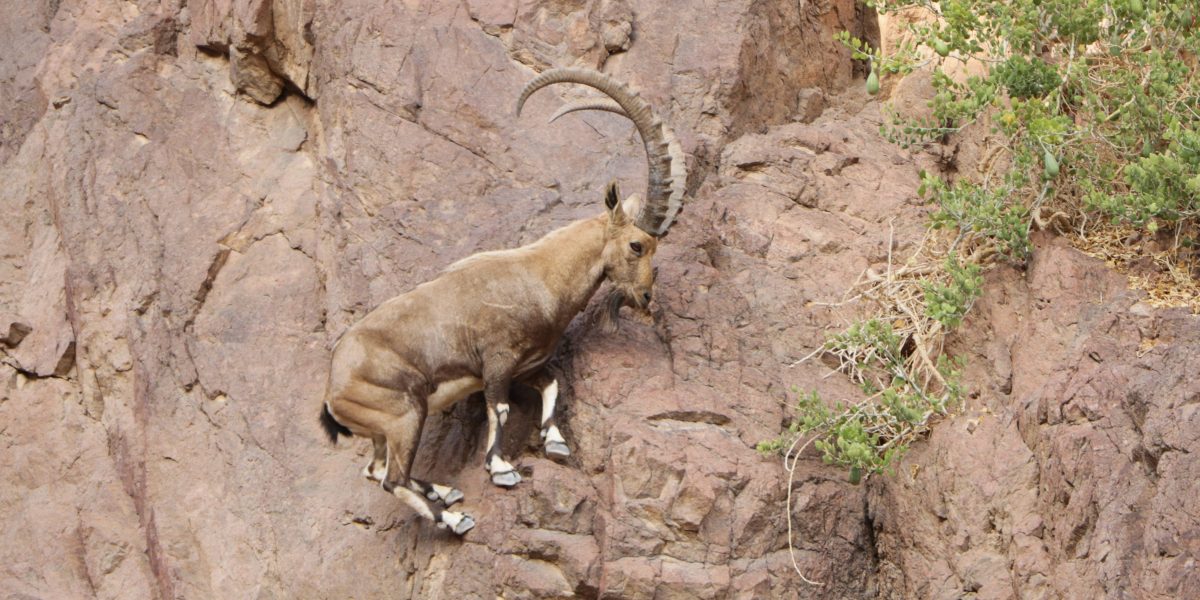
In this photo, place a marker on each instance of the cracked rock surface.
(201, 196)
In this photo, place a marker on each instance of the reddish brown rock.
(269, 43)
(186, 241)
(1067, 476)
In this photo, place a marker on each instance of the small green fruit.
(941, 47)
(1136, 8)
(872, 83)
(1051, 165)
(855, 475)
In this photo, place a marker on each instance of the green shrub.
(1096, 105)
(948, 303)
(1097, 100)
(869, 436)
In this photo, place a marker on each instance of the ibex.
(492, 319)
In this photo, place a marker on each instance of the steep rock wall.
(1071, 475)
(206, 194)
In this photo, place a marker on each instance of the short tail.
(332, 428)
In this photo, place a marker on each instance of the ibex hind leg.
(396, 438)
(377, 467)
(444, 494)
(402, 433)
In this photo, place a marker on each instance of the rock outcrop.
(1070, 477)
(202, 196)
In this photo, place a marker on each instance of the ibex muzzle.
(494, 318)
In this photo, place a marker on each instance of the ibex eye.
(636, 247)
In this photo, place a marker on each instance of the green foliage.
(901, 63)
(871, 435)
(1027, 78)
(1097, 97)
(1163, 185)
(971, 209)
(906, 132)
(948, 303)
(1097, 106)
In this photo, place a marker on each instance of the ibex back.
(494, 318)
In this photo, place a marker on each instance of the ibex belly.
(450, 392)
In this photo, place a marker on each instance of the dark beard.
(609, 314)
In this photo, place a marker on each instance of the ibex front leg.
(496, 392)
(553, 442)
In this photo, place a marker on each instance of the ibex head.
(634, 226)
(628, 250)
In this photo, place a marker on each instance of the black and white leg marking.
(446, 495)
(434, 492)
(553, 442)
(412, 493)
(457, 522)
(377, 468)
(502, 472)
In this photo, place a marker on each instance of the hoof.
(371, 475)
(459, 523)
(464, 525)
(506, 479)
(557, 450)
(454, 497)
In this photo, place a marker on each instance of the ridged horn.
(667, 171)
(678, 160)
(598, 104)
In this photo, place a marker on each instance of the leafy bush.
(870, 435)
(1164, 186)
(972, 210)
(1096, 105)
(948, 303)
(1097, 100)
(1026, 78)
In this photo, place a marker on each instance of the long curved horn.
(678, 160)
(603, 104)
(663, 195)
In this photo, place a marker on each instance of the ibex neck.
(573, 265)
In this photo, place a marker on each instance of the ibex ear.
(612, 201)
(632, 206)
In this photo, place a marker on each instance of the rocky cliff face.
(1073, 477)
(201, 196)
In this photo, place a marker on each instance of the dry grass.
(1158, 266)
(896, 296)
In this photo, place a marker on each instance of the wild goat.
(492, 319)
